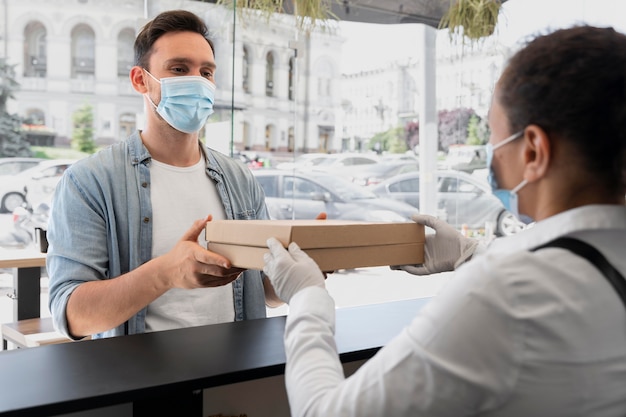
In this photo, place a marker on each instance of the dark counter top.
(69, 377)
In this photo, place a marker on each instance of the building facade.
(69, 53)
(377, 100)
(280, 89)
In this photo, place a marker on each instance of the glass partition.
(329, 118)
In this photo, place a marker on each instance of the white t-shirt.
(514, 333)
(180, 196)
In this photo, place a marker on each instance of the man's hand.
(189, 265)
(290, 271)
(444, 250)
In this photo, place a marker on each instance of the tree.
(12, 140)
(391, 140)
(453, 128)
(82, 135)
(477, 131)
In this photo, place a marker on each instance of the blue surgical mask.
(186, 101)
(508, 198)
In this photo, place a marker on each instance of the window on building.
(270, 137)
(35, 117)
(127, 125)
(83, 52)
(247, 137)
(292, 75)
(245, 70)
(269, 74)
(324, 73)
(291, 139)
(125, 54)
(35, 55)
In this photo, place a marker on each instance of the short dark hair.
(169, 21)
(572, 83)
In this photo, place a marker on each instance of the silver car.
(303, 195)
(466, 200)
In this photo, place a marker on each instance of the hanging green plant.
(308, 13)
(473, 19)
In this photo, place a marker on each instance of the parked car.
(40, 181)
(406, 156)
(303, 161)
(342, 160)
(465, 199)
(465, 158)
(15, 165)
(298, 195)
(372, 174)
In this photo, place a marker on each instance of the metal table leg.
(27, 296)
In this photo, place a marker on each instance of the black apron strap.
(594, 256)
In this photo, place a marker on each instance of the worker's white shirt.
(514, 333)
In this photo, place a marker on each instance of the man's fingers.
(196, 228)
(211, 258)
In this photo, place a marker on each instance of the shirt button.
(146, 219)
(144, 184)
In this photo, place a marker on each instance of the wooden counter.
(21, 258)
(57, 379)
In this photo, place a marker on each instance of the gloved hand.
(443, 251)
(290, 271)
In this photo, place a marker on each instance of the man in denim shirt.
(126, 234)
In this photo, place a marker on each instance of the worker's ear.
(537, 153)
(138, 79)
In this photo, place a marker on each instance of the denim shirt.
(101, 225)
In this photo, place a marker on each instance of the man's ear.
(537, 153)
(138, 80)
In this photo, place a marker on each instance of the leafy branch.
(473, 19)
(308, 13)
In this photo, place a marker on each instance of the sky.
(518, 19)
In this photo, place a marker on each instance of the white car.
(343, 160)
(303, 161)
(465, 158)
(40, 182)
(16, 164)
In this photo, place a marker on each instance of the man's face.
(179, 54)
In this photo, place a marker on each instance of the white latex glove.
(443, 251)
(290, 271)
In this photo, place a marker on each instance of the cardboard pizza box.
(333, 244)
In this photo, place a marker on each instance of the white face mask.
(186, 101)
(508, 198)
